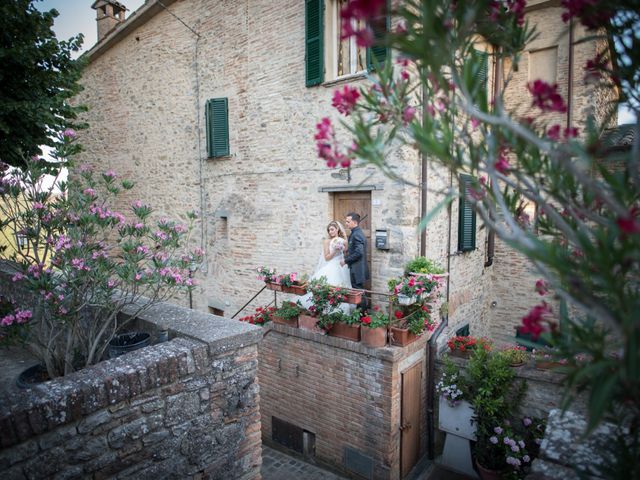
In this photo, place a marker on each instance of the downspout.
(423, 184)
(491, 235)
(570, 79)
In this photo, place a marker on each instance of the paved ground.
(13, 361)
(280, 466)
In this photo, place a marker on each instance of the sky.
(77, 16)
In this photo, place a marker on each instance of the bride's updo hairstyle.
(338, 227)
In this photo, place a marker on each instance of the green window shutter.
(482, 77)
(314, 33)
(217, 119)
(379, 51)
(467, 217)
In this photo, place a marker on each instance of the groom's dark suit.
(356, 258)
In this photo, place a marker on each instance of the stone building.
(157, 81)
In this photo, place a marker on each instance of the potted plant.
(547, 359)
(408, 290)
(325, 300)
(455, 413)
(262, 316)
(495, 396)
(464, 345)
(292, 284)
(410, 323)
(287, 314)
(516, 355)
(374, 328)
(271, 279)
(344, 325)
(422, 266)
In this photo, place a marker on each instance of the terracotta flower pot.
(373, 337)
(487, 474)
(354, 296)
(401, 336)
(460, 353)
(296, 289)
(307, 322)
(292, 322)
(342, 330)
(273, 286)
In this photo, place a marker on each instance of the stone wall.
(346, 394)
(186, 408)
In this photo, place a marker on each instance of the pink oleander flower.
(38, 206)
(90, 192)
(592, 13)
(475, 123)
(502, 164)
(537, 321)
(345, 101)
(541, 287)
(69, 133)
(17, 277)
(110, 174)
(408, 114)
(546, 97)
(629, 224)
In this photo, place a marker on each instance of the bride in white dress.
(332, 254)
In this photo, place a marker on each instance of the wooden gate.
(411, 402)
(360, 203)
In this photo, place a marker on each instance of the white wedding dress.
(336, 275)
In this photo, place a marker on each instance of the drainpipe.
(491, 235)
(570, 79)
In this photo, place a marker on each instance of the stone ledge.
(219, 333)
(30, 412)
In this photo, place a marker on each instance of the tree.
(586, 244)
(37, 78)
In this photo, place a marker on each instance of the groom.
(356, 256)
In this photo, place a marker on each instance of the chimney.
(109, 13)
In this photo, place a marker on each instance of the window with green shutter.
(314, 33)
(467, 217)
(217, 120)
(380, 27)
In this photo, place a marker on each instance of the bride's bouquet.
(337, 244)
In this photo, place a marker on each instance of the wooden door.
(411, 401)
(360, 203)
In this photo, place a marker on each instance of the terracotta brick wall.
(346, 394)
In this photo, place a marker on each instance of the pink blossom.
(517, 8)
(69, 133)
(405, 75)
(570, 132)
(111, 283)
(89, 192)
(7, 320)
(502, 165)
(546, 97)
(408, 114)
(629, 224)
(554, 133)
(17, 277)
(541, 287)
(592, 13)
(110, 174)
(534, 321)
(38, 206)
(474, 123)
(137, 204)
(345, 101)
(142, 249)
(526, 421)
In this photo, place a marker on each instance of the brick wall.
(346, 394)
(187, 408)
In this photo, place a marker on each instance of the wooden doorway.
(360, 203)
(410, 404)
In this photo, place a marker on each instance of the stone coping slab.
(219, 333)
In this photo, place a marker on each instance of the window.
(543, 65)
(21, 241)
(328, 57)
(217, 120)
(467, 217)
